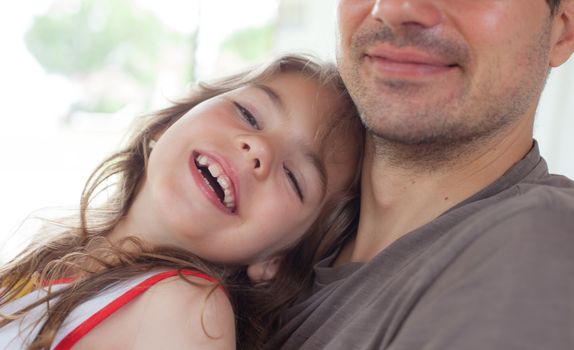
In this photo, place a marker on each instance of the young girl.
(220, 204)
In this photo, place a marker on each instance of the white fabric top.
(18, 334)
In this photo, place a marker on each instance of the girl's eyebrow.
(273, 96)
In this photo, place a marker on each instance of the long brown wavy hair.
(81, 247)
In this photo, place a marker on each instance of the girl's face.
(244, 174)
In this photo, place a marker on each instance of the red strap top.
(81, 330)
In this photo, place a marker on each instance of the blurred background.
(75, 73)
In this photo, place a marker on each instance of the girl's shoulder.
(165, 310)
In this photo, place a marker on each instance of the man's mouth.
(408, 61)
(217, 180)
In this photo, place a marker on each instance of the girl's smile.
(215, 178)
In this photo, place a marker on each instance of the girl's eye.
(294, 183)
(247, 115)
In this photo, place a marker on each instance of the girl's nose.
(259, 153)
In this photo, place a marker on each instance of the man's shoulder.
(534, 227)
(507, 267)
(537, 201)
(542, 205)
(537, 223)
(552, 190)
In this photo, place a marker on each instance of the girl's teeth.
(228, 200)
(202, 160)
(223, 182)
(214, 169)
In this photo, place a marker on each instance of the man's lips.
(407, 62)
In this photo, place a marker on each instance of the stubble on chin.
(450, 128)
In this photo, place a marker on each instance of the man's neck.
(396, 200)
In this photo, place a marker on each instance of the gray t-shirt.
(494, 272)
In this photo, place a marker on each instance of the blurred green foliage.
(251, 43)
(112, 47)
(116, 50)
(96, 33)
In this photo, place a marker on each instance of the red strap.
(81, 330)
(57, 281)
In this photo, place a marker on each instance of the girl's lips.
(206, 188)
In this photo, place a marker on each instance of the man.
(464, 239)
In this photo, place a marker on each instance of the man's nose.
(259, 153)
(403, 14)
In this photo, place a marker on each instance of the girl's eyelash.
(247, 115)
(294, 182)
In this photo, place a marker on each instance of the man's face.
(443, 71)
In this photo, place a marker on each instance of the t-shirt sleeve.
(511, 289)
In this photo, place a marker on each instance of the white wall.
(554, 126)
(308, 26)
